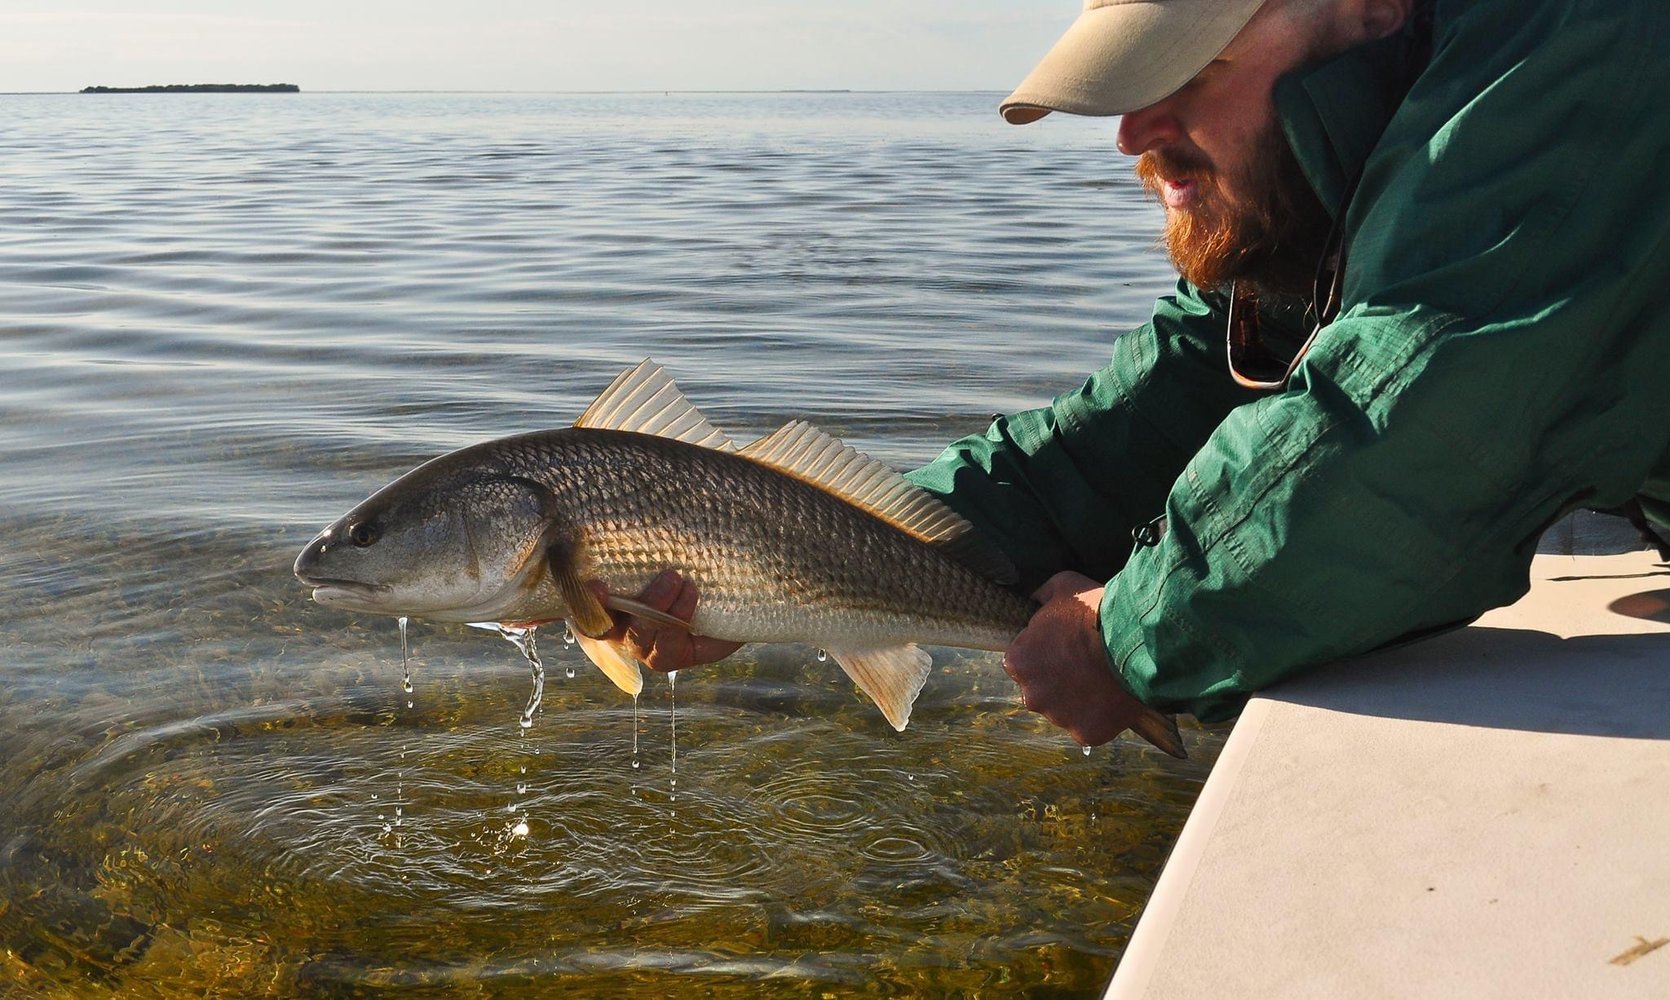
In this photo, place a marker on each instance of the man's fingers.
(706, 649)
(659, 647)
(641, 640)
(1061, 667)
(663, 591)
(678, 650)
(668, 652)
(683, 604)
(1063, 584)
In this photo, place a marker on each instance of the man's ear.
(1380, 18)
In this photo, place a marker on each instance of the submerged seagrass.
(794, 538)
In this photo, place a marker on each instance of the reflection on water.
(227, 320)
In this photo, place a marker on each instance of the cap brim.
(1127, 54)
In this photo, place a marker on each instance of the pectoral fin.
(614, 661)
(587, 615)
(891, 677)
(1160, 730)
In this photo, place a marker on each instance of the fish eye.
(362, 534)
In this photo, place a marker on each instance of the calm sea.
(226, 318)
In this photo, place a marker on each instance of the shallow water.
(226, 318)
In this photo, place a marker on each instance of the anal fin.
(892, 677)
(615, 662)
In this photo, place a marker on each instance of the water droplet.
(635, 764)
(387, 829)
(1086, 751)
(405, 661)
(520, 829)
(569, 672)
(634, 732)
(823, 655)
(568, 632)
(521, 788)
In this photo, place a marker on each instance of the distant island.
(200, 88)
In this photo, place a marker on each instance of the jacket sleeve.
(1062, 486)
(1501, 359)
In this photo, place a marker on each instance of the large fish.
(793, 538)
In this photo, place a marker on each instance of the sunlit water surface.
(226, 318)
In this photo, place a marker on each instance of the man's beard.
(1270, 237)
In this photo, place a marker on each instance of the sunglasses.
(1252, 363)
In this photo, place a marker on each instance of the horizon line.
(651, 90)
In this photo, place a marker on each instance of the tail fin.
(1160, 730)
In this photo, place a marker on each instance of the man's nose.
(1148, 128)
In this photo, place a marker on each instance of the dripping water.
(634, 732)
(405, 661)
(400, 775)
(525, 641)
(672, 686)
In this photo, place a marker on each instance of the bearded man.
(1424, 258)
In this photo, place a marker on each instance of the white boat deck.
(1485, 814)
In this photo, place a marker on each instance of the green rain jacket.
(1502, 357)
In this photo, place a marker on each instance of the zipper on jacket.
(1148, 535)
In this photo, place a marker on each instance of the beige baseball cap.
(1121, 55)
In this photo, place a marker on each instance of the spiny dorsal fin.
(645, 400)
(807, 453)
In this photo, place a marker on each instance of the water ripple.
(227, 320)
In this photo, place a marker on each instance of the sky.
(539, 45)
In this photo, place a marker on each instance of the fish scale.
(775, 559)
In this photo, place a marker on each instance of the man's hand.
(1062, 667)
(660, 648)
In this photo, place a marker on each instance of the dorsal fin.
(823, 460)
(645, 400)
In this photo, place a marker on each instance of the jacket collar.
(1334, 113)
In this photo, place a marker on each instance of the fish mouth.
(330, 590)
(331, 581)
